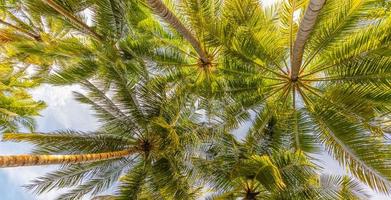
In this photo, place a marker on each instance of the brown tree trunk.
(34, 160)
(306, 26)
(160, 9)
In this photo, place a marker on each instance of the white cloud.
(63, 111)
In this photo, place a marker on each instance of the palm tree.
(110, 28)
(322, 68)
(35, 160)
(141, 142)
(242, 170)
(197, 71)
(175, 61)
(121, 31)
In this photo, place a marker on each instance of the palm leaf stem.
(28, 33)
(72, 18)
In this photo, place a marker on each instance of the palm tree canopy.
(140, 135)
(235, 169)
(173, 80)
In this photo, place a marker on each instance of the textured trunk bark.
(306, 26)
(34, 160)
(72, 18)
(34, 36)
(160, 9)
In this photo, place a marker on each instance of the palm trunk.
(34, 36)
(306, 26)
(72, 18)
(34, 160)
(159, 8)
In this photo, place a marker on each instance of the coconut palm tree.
(242, 170)
(323, 67)
(130, 32)
(111, 28)
(147, 40)
(191, 63)
(164, 12)
(141, 142)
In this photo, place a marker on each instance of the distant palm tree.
(250, 169)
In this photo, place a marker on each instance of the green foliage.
(151, 89)
(159, 131)
(17, 107)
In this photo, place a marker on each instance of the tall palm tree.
(120, 27)
(323, 67)
(168, 51)
(175, 61)
(111, 27)
(141, 143)
(35, 160)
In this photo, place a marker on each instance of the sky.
(63, 112)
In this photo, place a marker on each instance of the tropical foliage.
(236, 172)
(17, 108)
(146, 137)
(171, 81)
